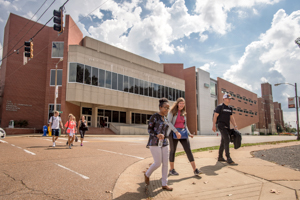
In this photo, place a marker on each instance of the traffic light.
(28, 49)
(58, 20)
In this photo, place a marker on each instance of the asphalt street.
(32, 169)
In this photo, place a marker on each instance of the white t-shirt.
(55, 123)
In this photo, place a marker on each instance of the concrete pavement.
(253, 178)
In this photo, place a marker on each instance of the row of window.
(116, 116)
(85, 74)
(238, 96)
(244, 111)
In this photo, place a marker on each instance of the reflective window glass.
(108, 79)
(87, 75)
(72, 72)
(95, 76)
(79, 76)
(101, 77)
(114, 81)
(126, 84)
(120, 82)
(137, 86)
(131, 85)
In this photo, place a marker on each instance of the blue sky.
(245, 42)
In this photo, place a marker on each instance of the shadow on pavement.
(183, 179)
(210, 170)
(142, 193)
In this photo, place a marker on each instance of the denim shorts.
(55, 132)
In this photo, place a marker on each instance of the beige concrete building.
(114, 87)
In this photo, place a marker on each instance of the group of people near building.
(71, 128)
(169, 126)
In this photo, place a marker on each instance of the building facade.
(210, 94)
(270, 113)
(109, 86)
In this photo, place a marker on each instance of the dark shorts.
(55, 132)
(82, 132)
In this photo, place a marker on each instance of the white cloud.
(273, 58)
(207, 66)
(203, 37)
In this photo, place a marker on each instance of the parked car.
(2, 133)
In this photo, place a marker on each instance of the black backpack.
(236, 138)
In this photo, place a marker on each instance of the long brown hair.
(174, 108)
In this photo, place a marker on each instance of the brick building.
(270, 113)
(109, 86)
(210, 94)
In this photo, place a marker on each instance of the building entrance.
(88, 119)
(102, 122)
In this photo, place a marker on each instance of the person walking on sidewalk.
(71, 130)
(82, 127)
(158, 143)
(222, 117)
(55, 121)
(177, 118)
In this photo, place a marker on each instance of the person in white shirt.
(54, 124)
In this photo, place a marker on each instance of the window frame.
(54, 77)
(52, 48)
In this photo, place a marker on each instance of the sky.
(245, 42)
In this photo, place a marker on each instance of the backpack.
(235, 138)
(219, 114)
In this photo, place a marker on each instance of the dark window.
(86, 111)
(137, 118)
(114, 80)
(95, 76)
(132, 118)
(120, 82)
(174, 95)
(126, 84)
(72, 72)
(131, 85)
(142, 83)
(170, 97)
(79, 76)
(178, 93)
(115, 116)
(160, 91)
(166, 92)
(146, 88)
(122, 117)
(155, 90)
(87, 74)
(59, 77)
(101, 78)
(144, 119)
(100, 112)
(108, 114)
(151, 85)
(137, 86)
(108, 79)
(182, 94)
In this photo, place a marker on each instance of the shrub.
(21, 123)
(261, 133)
(269, 134)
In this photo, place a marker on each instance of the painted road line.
(29, 152)
(3, 141)
(122, 154)
(13, 145)
(52, 141)
(82, 176)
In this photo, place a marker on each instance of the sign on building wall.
(291, 102)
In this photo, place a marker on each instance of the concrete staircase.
(99, 131)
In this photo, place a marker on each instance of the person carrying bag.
(177, 119)
(82, 127)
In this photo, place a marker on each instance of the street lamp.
(297, 122)
(56, 87)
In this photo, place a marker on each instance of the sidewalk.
(253, 178)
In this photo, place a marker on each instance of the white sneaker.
(53, 144)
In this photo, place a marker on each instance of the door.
(102, 122)
(88, 119)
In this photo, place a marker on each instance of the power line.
(58, 36)
(27, 32)
(24, 26)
